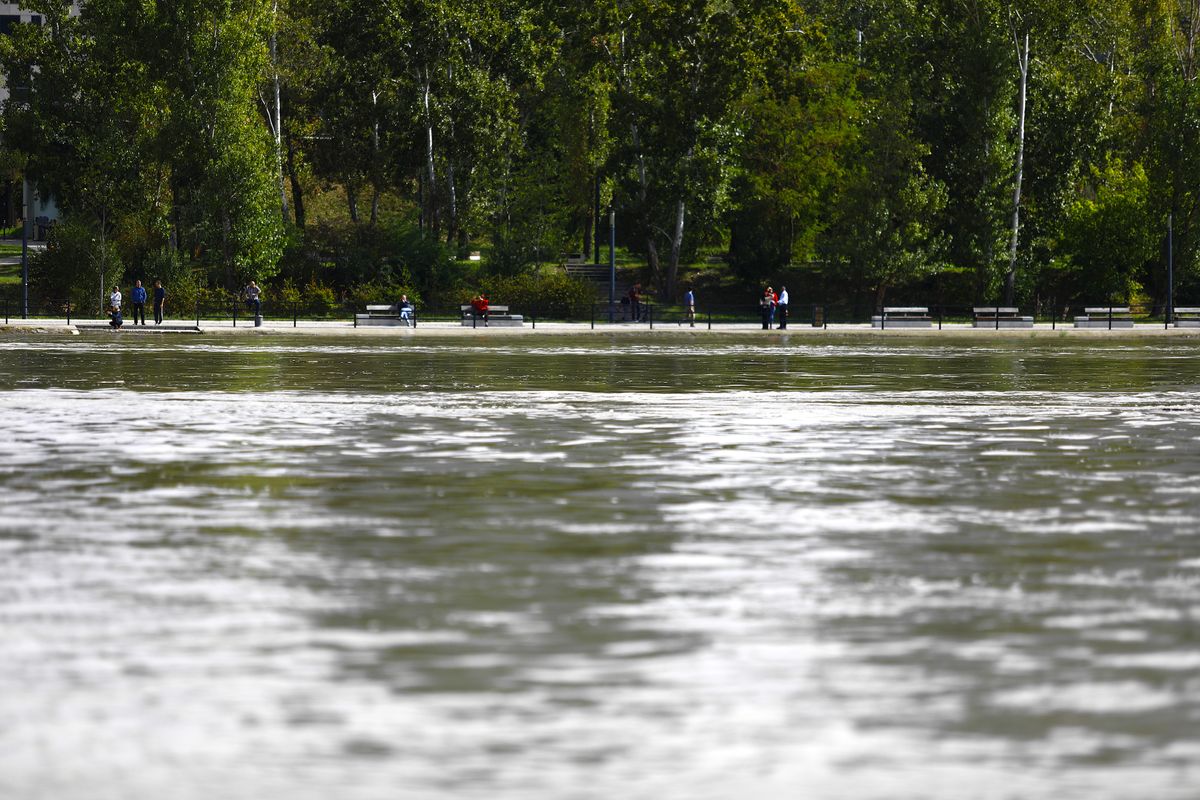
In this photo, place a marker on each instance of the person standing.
(160, 302)
(689, 303)
(767, 305)
(781, 306)
(137, 301)
(635, 302)
(254, 298)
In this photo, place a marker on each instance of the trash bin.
(258, 320)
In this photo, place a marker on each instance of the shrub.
(546, 294)
(69, 267)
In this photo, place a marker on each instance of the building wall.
(12, 14)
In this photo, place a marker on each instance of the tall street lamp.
(612, 261)
(26, 207)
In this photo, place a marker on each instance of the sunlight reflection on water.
(714, 585)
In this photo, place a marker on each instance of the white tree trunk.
(676, 247)
(277, 117)
(1010, 280)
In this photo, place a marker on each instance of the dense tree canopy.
(1001, 147)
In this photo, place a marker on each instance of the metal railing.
(237, 313)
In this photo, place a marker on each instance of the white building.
(43, 208)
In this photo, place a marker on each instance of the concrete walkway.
(449, 329)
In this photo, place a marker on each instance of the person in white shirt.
(781, 307)
(114, 307)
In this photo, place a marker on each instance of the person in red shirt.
(480, 306)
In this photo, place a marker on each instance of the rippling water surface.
(599, 568)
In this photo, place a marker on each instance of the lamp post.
(26, 207)
(612, 261)
(1170, 268)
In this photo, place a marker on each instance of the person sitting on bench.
(405, 307)
(479, 307)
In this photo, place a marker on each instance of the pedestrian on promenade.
(781, 306)
(254, 298)
(689, 304)
(767, 305)
(160, 302)
(137, 301)
(405, 307)
(774, 302)
(635, 302)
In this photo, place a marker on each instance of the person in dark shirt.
(160, 301)
(137, 301)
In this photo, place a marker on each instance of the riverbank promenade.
(443, 329)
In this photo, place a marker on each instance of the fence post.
(650, 314)
(997, 317)
(1110, 318)
(197, 314)
(295, 313)
(235, 313)
(1054, 315)
(824, 318)
(710, 317)
(882, 318)
(593, 316)
(533, 317)
(355, 317)
(68, 311)
(940, 312)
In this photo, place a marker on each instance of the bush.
(546, 294)
(178, 278)
(69, 267)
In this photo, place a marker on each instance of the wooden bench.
(1105, 317)
(902, 317)
(383, 315)
(998, 317)
(1186, 317)
(497, 317)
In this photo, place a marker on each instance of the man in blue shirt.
(137, 299)
(689, 305)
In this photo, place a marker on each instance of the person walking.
(160, 302)
(137, 301)
(781, 306)
(689, 304)
(767, 305)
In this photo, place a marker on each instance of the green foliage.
(1110, 235)
(874, 142)
(546, 294)
(178, 278)
(74, 266)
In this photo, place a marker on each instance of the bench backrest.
(1188, 310)
(380, 308)
(498, 309)
(1106, 309)
(905, 310)
(996, 310)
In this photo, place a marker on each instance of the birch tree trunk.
(1010, 280)
(277, 117)
(431, 177)
(668, 291)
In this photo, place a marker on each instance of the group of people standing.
(137, 303)
(774, 305)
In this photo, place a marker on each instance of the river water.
(599, 568)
